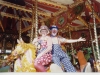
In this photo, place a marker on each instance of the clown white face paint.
(54, 31)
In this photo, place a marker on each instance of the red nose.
(54, 31)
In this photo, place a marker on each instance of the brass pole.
(1, 22)
(1, 26)
(72, 49)
(20, 28)
(32, 27)
(93, 51)
(95, 33)
(36, 19)
(34, 22)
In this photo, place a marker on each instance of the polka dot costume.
(59, 56)
(46, 58)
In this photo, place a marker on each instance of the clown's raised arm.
(64, 40)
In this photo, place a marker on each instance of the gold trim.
(22, 8)
(83, 21)
(76, 3)
(59, 12)
(1, 26)
(53, 4)
(90, 7)
(15, 16)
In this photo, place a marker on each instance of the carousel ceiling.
(73, 14)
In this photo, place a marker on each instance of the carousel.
(20, 21)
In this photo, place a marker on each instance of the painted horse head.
(25, 54)
(23, 47)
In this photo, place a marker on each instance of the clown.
(59, 57)
(44, 53)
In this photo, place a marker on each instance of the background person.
(81, 58)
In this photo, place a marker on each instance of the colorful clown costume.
(59, 56)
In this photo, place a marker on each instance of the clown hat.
(43, 27)
(53, 26)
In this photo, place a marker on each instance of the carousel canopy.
(73, 14)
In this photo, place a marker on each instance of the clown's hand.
(81, 39)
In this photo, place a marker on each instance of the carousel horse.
(97, 66)
(25, 54)
(87, 68)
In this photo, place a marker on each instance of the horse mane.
(23, 50)
(26, 46)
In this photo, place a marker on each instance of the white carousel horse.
(88, 68)
(26, 54)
